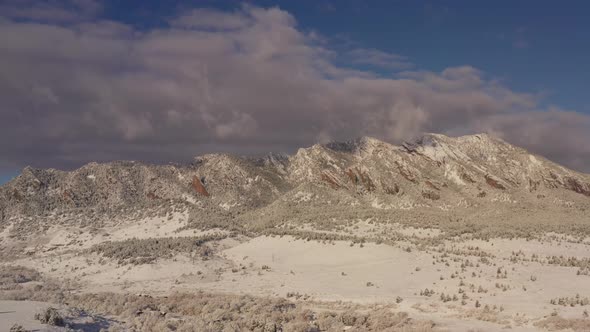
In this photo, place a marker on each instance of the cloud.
(378, 58)
(247, 81)
(50, 10)
(211, 19)
(555, 133)
(520, 40)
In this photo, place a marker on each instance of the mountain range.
(432, 172)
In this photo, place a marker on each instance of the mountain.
(461, 225)
(433, 172)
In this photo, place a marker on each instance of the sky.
(163, 81)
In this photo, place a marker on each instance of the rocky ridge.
(435, 171)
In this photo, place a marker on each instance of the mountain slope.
(434, 171)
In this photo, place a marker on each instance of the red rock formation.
(575, 185)
(494, 183)
(430, 195)
(405, 173)
(359, 177)
(431, 185)
(331, 181)
(352, 176)
(152, 195)
(66, 194)
(199, 187)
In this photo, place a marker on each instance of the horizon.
(160, 83)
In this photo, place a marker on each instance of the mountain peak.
(484, 141)
(362, 143)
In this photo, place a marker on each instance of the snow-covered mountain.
(435, 171)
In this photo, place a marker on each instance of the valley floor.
(459, 284)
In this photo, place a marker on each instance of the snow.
(452, 174)
(189, 199)
(534, 163)
(504, 198)
(227, 206)
(303, 196)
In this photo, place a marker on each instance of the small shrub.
(571, 301)
(427, 292)
(50, 316)
(17, 328)
(146, 251)
(556, 322)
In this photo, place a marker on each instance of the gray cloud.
(378, 58)
(557, 134)
(247, 81)
(203, 18)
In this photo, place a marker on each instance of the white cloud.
(246, 81)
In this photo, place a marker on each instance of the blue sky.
(6, 177)
(160, 81)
